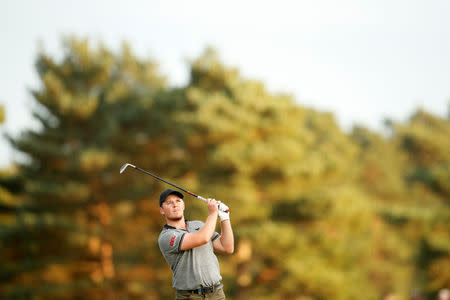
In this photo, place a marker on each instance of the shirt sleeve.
(215, 236)
(170, 241)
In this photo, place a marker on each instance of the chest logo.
(172, 240)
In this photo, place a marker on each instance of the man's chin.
(175, 218)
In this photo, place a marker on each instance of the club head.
(125, 166)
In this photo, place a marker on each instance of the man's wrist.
(224, 216)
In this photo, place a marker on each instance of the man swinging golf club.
(188, 247)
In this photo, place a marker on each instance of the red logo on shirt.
(172, 240)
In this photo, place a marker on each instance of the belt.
(205, 289)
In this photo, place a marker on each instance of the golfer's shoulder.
(166, 232)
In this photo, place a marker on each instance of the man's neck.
(178, 224)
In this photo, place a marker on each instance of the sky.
(364, 61)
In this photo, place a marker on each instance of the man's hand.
(204, 235)
(213, 206)
(222, 214)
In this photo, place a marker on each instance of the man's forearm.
(227, 237)
(208, 229)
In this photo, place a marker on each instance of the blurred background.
(324, 125)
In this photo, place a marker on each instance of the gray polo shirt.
(191, 268)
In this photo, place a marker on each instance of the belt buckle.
(204, 290)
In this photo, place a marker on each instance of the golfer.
(188, 247)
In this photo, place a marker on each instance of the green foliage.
(95, 115)
(317, 213)
(407, 176)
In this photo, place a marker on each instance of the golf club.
(222, 206)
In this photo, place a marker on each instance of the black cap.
(166, 193)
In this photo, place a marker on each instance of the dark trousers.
(216, 295)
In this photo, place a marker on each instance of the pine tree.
(302, 225)
(10, 187)
(426, 142)
(94, 113)
(406, 176)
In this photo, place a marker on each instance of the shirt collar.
(171, 227)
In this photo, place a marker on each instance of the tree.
(291, 173)
(94, 112)
(425, 140)
(406, 176)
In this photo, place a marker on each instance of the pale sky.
(362, 60)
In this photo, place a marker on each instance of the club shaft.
(174, 185)
(222, 207)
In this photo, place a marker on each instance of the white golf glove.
(222, 214)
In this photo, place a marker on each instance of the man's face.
(172, 208)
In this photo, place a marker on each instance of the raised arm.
(225, 243)
(204, 235)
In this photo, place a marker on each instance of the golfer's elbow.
(229, 250)
(204, 237)
(204, 240)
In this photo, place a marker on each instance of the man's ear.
(161, 211)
